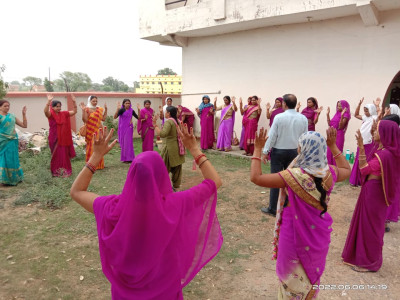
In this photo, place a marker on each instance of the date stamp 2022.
(345, 287)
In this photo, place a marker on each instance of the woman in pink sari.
(145, 126)
(186, 116)
(303, 227)
(370, 115)
(251, 116)
(311, 112)
(225, 129)
(241, 143)
(60, 137)
(340, 121)
(152, 241)
(380, 188)
(206, 113)
(276, 110)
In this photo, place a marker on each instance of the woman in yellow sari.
(92, 116)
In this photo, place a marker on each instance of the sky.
(96, 37)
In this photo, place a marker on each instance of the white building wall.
(330, 60)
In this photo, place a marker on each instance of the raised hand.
(138, 105)
(197, 110)
(259, 101)
(233, 100)
(118, 105)
(188, 138)
(73, 99)
(344, 111)
(101, 139)
(240, 101)
(24, 110)
(360, 142)
(328, 110)
(105, 106)
(50, 98)
(268, 106)
(319, 109)
(160, 107)
(82, 105)
(377, 101)
(155, 117)
(361, 101)
(298, 106)
(215, 101)
(331, 136)
(261, 138)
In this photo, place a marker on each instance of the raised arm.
(328, 118)
(342, 164)
(78, 190)
(47, 107)
(118, 108)
(105, 112)
(205, 166)
(24, 123)
(298, 106)
(318, 111)
(256, 176)
(234, 103)
(268, 106)
(75, 108)
(85, 113)
(241, 106)
(357, 112)
(343, 121)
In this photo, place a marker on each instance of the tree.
(112, 84)
(166, 71)
(31, 81)
(76, 82)
(59, 85)
(3, 85)
(15, 82)
(97, 87)
(48, 85)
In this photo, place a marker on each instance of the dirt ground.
(242, 270)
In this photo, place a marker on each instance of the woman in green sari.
(10, 170)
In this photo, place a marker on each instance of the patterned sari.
(92, 126)
(10, 170)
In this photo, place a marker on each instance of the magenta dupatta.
(146, 129)
(304, 235)
(274, 114)
(152, 241)
(311, 115)
(125, 134)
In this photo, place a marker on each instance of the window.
(172, 82)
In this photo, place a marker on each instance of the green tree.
(48, 85)
(31, 81)
(59, 85)
(97, 87)
(3, 85)
(76, 82)
(166, 71)
(112, 84)
(15, 82)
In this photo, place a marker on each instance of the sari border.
(290, 179)
(383, 179)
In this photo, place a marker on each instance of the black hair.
(290, 100)
(146, 101)
(313, 100)
(318, 185)
(168, 99)
(126, 100)
(92, 97)
(392, 117)
(54, 103)
(228, 98)
(3, 101)
(173, 111)
(254, 97)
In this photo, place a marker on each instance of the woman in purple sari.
(311, 112)
(186, 116)
(225, 129)
(303, 227)
(276, 110)
(242, 110)
(152, 241)
(125, 129)
(145, 126)
(380, 187)
(251, 116)
(206, 113)
(340, 121)
(370, 115)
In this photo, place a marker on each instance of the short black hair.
(392, 117)
(54, 103)
(290, 100)
(146, 101)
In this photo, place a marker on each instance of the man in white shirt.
(282, 143)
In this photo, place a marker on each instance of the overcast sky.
(96, 37)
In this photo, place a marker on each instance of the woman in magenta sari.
(225, 129)
(60, 137)
(206, 113)
(251, 116)
(303, 227)
(152, 241)
(241, 143)
(186, 116)
(380, 187)
(125, 129)
(145, 126)
(340, 121)
(370, 114)
(311, 112)
(276, 110)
